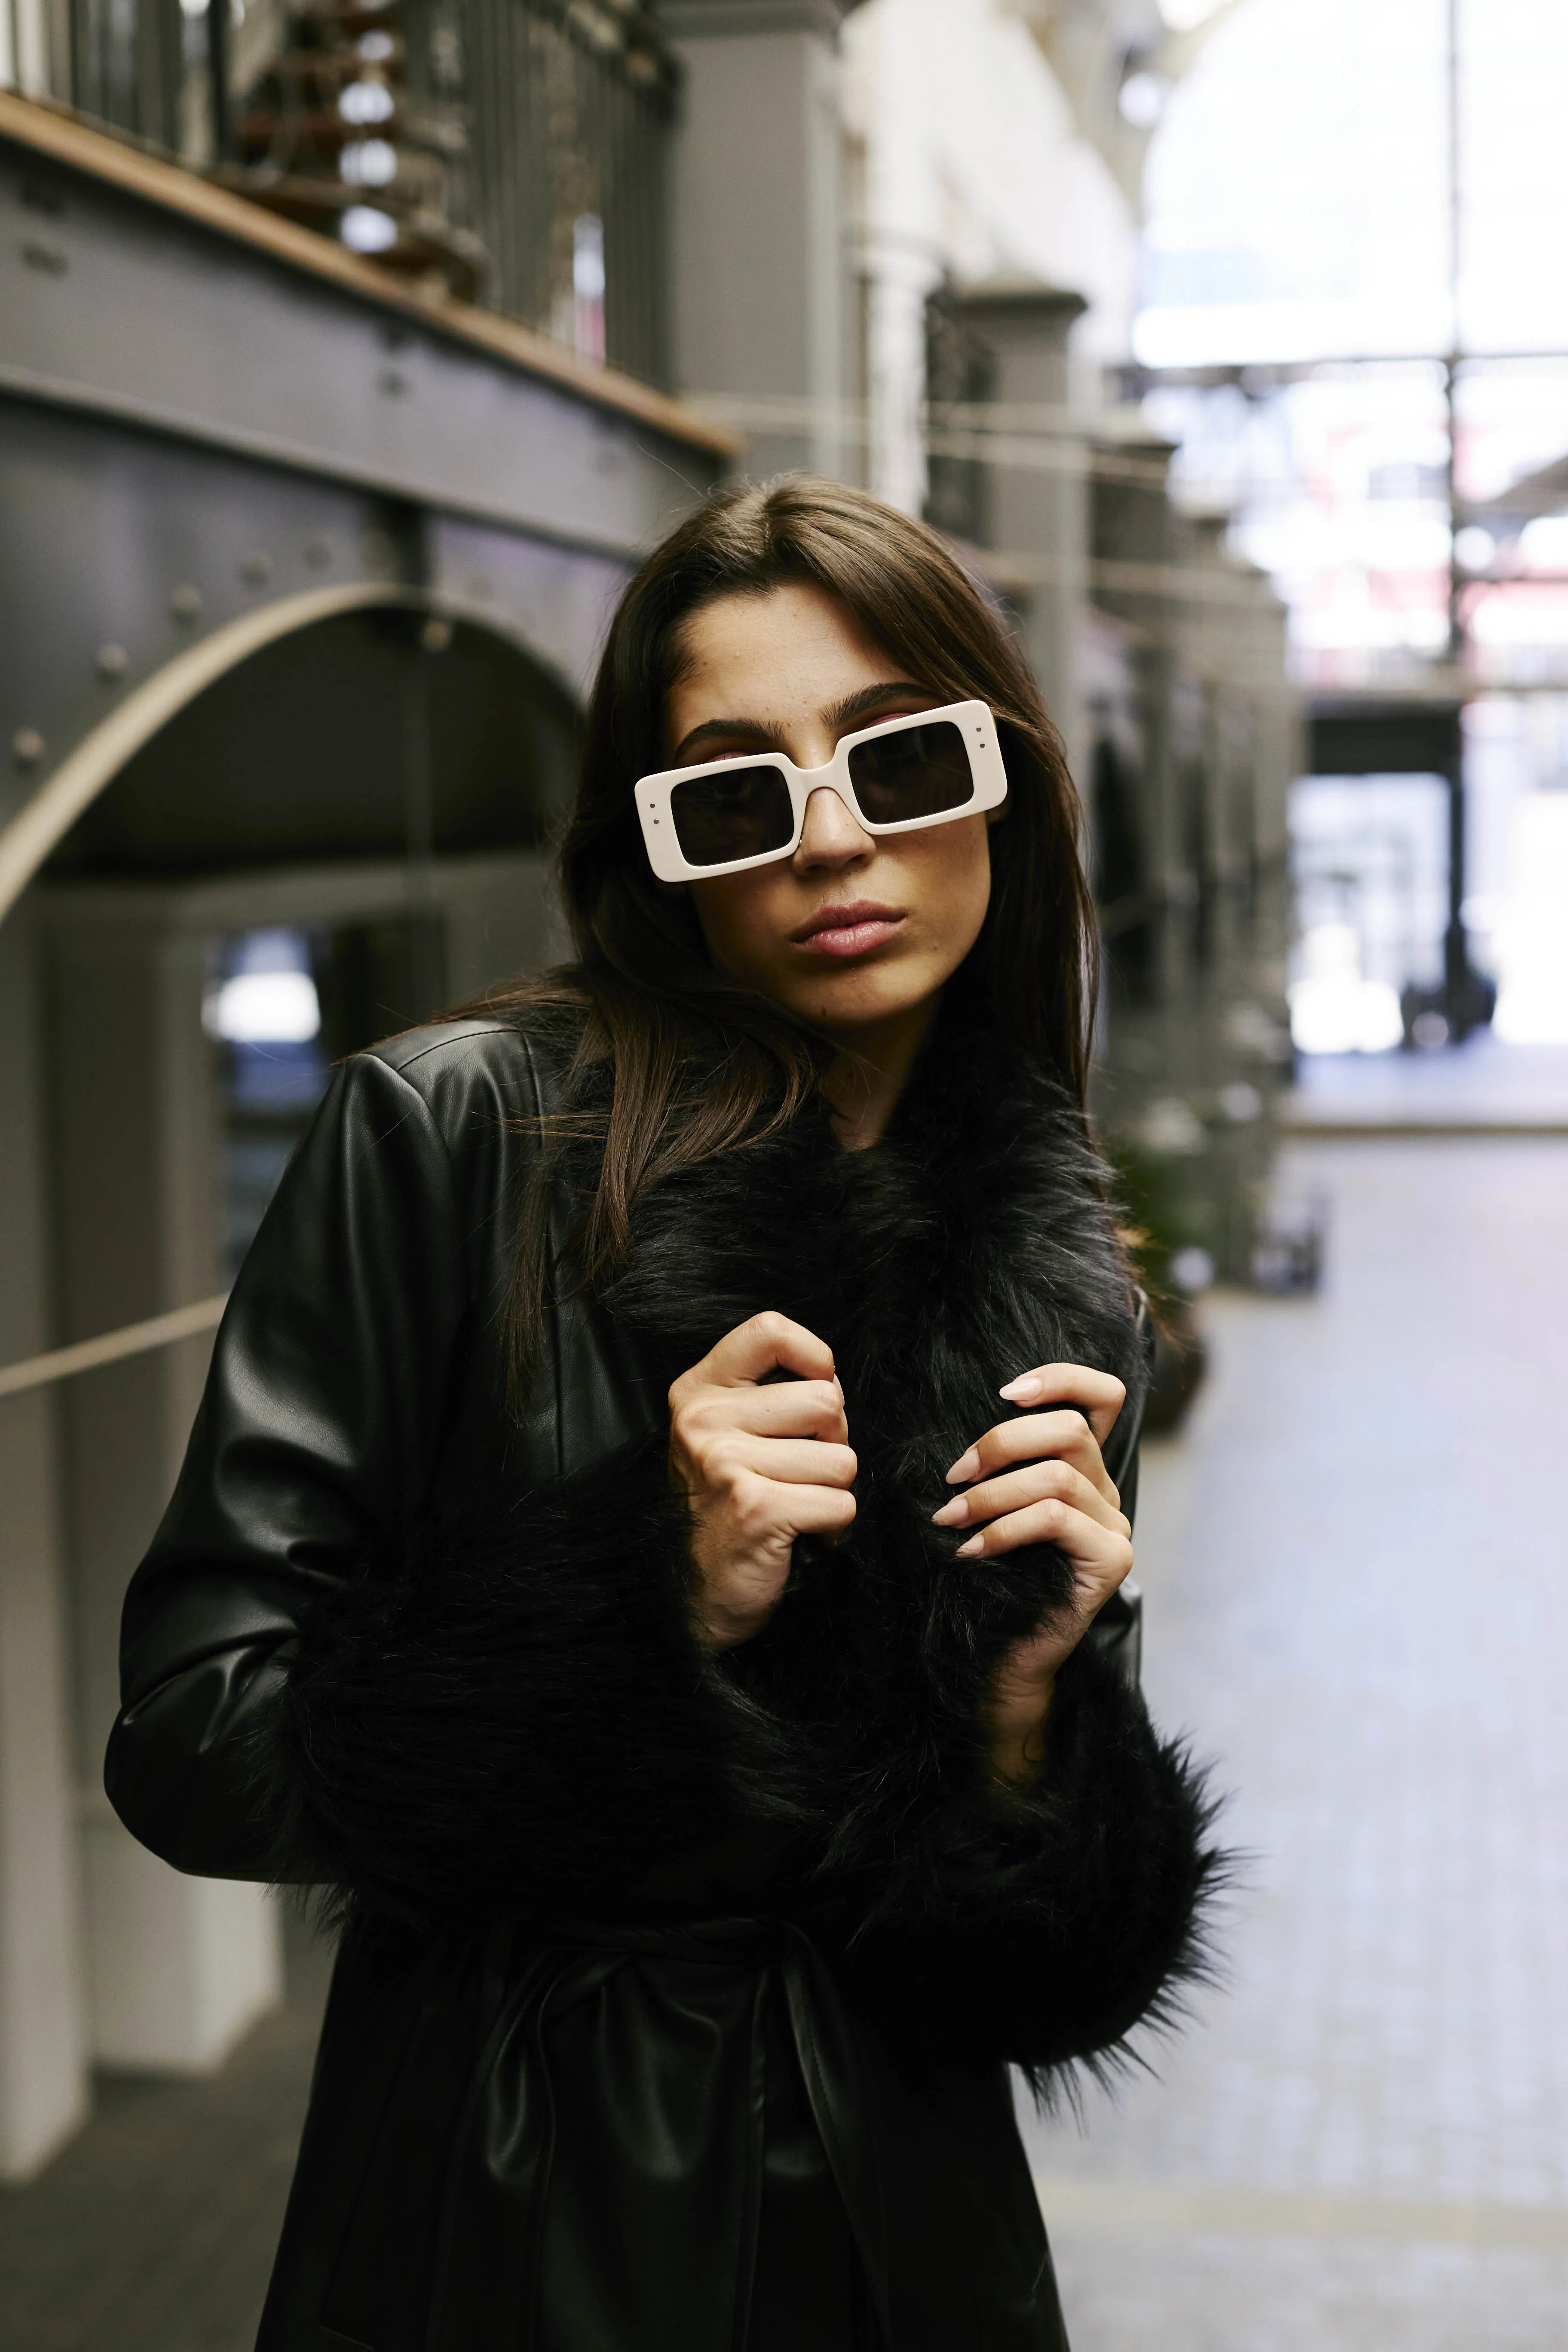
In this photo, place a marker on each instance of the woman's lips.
(846, 932)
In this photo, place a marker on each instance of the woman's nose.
(831, 833)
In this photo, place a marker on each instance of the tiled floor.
(1355, 1567)
(1488, 1085)
(155, 2230)
(1355, 1563)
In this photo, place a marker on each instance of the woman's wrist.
(1017, 1723)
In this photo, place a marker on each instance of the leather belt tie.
(633, 2199)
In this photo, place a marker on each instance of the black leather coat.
(672, 2012)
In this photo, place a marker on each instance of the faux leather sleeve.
(317, 1435)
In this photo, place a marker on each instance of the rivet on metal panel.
(256, 570)
(113, 661)
(42, 197)
(318, 553)
(435, 636)
(186, 602)
(27, 747)
(392, 382)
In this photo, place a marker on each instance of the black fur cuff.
(1038, 1925)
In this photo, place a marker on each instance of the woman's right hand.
(760, 1463)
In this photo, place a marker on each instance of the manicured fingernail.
(967, 1550)
(964, 1467)
(952, 1514)
(1022, 1390)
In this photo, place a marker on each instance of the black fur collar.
(974, 1243)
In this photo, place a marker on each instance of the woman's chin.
(852, 999)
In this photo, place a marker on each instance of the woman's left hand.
(1058, 1493)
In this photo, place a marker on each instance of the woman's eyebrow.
(837, 715)
(746, 730)
(869, 698)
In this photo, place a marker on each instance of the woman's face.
(855, 930)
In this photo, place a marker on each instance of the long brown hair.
(699, 1062)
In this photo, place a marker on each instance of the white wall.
(973, 164)
(43, 2036)
(178, 1967)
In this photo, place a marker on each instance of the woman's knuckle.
(749, 1499)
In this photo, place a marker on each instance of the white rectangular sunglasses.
(902, 774)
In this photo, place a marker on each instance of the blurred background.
(349, 352)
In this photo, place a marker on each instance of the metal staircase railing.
(513, 151)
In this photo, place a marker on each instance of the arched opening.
(376, 733)
(347, 829)
(322, 843)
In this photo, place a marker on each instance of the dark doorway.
(377, 734)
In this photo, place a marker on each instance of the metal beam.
(47, 136)
(45, 817)
(110, 303)
(138, 569)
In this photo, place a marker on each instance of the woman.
(652, 1536)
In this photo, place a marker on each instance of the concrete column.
(178, 1967)
(759, 261)
(43, 2023)
(1134, 539)
(1041, 512)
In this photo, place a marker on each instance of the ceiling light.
(365, 101)
(369, 162)
(1141, 99)
(365, 229)
(264, 1008)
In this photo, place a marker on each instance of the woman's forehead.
(775, 653)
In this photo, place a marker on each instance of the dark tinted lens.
(742, 813)
(919, 772)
